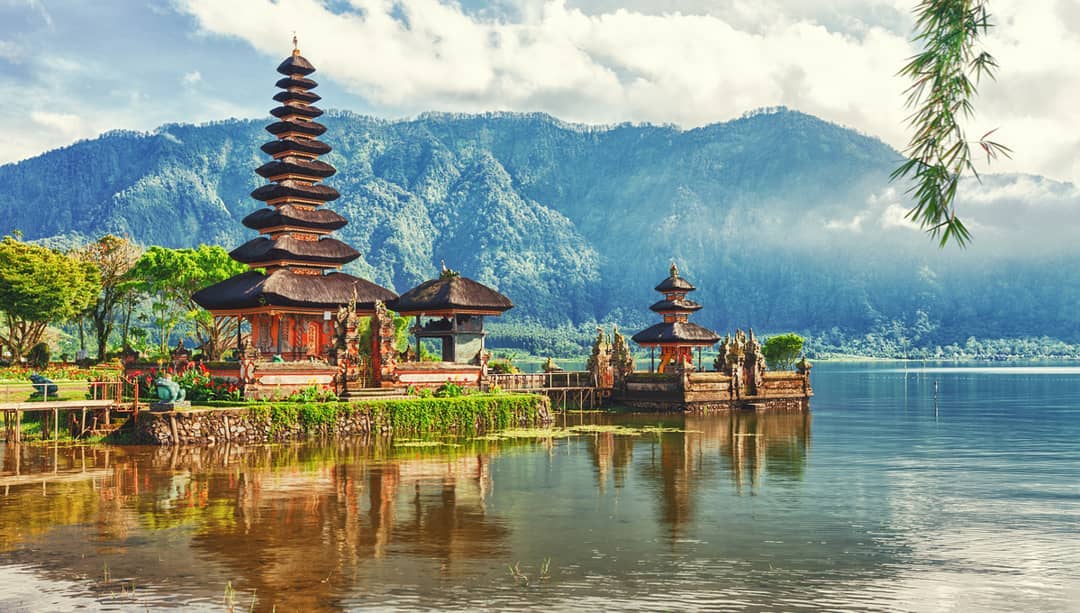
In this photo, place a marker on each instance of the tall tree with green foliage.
(170, 276)
(945, 77)
(39, 286)
(782, 351)
(211, 265)
(113, 257)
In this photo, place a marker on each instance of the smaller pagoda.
(675, 336)
(452, 308)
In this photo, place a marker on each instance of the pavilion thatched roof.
(287, 289)
(676, 333)
(449, 293)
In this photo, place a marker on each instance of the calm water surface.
(875, 501)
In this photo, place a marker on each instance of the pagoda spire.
(295, 260)
(295, 226)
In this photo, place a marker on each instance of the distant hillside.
(782, 220)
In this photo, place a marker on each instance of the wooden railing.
(542, 380)
(97, 397)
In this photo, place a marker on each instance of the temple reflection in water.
(306, 522)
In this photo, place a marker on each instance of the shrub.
(449, 390)
(503, 367)
(312, 393)
(782, 351)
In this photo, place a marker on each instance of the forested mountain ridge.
(782, 220)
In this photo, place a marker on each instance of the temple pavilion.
(294, 287)
(451, 309)
(675, 336)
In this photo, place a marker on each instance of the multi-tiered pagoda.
(675, 336)
(293, 287)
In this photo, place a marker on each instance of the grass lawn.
(21, 391)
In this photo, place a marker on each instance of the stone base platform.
(160, 407)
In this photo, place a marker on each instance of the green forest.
(783, 222)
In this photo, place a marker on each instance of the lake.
(882, 498)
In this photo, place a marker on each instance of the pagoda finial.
(295, 44)
(447, 273)
(674, 269)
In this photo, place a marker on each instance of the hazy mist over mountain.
(783, 221)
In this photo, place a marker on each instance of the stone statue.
(169, 391)
(551, 366)
(599, 364)
(622, 359)
(44, 387)
(755, 363)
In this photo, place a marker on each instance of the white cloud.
(895, 216)
(65, 123)
(191, 78)
(687, 62)
(852, 225)
(10, 51)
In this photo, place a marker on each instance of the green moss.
(462, 414)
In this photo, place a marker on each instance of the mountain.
(782, 220)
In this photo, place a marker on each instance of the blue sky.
(82, 68)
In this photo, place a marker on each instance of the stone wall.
(703, 392)
(283, 422)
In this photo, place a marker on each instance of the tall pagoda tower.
(293, 289)
(675, 335)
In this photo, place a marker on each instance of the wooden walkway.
(105, 397)
(566, 389)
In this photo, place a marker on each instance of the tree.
(945, 76)
(782, 351)
(211, 265)
(113, 257)
(171, 276)
(39, 286)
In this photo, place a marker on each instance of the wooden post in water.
(56, 424)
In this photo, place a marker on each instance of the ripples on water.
(890, 501)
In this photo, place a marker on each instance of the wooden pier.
(566, 389)
(95, 411)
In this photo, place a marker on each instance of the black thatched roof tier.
(303, 127)
(305, 97)
(301, 83)
(282, 288)
(295, 64)
(676, 333)
(294, 216)
(273, 191)
(323, 251)
(296, 166)
(451, 293)
(303, 111)
(675, 306)
(305, 145)
(675, 283)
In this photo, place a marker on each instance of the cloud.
(852, 225)
(895, 216)
(191, 78)
(65, 123)
(623, 65)
(688, 62)
(10, 51)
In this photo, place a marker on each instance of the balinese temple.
(675, 335)
(294, 287)
(452, 309)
